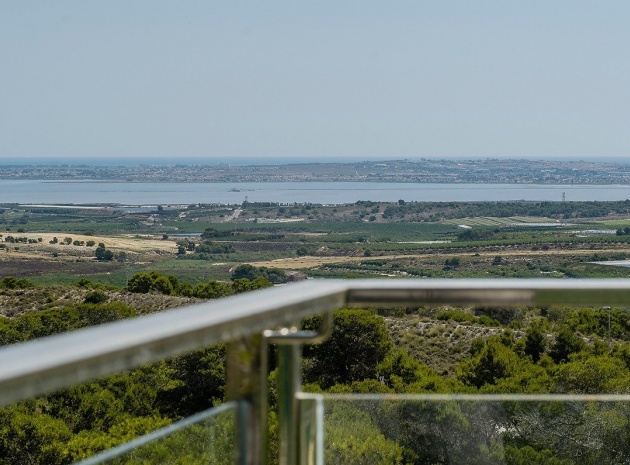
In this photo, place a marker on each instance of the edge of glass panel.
(157, 434)
(468, 397)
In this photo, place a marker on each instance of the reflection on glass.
(459, 430)
(207, 437)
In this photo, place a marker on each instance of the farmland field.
(410, 240)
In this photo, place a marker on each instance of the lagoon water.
(151, 193)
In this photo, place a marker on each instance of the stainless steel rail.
(37, 367)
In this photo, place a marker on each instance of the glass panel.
(207, 437)
(443, 429)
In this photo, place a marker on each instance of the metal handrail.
(36, 367)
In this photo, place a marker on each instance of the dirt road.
(313, 262)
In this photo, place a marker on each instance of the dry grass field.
(43, 258)
(44, 249)
(307, 262)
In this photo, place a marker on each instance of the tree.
(213, 290)
(355, 439)
(246, 271)
(535, 342)
(493, 363)
(103, 255)
(400, 365)
(11, 282)
(528, 455)
(154, 281)
(566, 343)
(593, 375)
(32, 439)
(185, 289)
(211, 233)
(358, 344)
(451, 263)
(163, 285)
(245, 285)
(198, 382)
(140, 283)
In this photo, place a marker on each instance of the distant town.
(404, 171)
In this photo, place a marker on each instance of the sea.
(328, 193)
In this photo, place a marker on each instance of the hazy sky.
(345, 78)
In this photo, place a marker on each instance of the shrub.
(274, 275)
(103, 255)
(95, 297)
(11, 282)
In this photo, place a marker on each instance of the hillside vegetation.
(424, 350)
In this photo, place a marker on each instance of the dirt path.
(313, 262)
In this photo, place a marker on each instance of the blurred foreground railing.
(248, 323)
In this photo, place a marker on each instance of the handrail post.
(311, 418)
(289, 341)
(289, 383)
(246, 384)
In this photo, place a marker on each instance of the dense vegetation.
(565, 210)
(77, 422)
(561, 353)
(533, 350)
(170, 285)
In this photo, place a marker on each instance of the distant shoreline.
(267, 161)
(422, 171)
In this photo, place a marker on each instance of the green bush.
(11, 282)
(95, 297)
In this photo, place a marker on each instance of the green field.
(429, 231)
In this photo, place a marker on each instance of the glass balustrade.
(332, 428)
(201, 439)
(349, 429)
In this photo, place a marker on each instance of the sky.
(302, 80)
